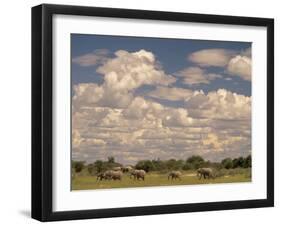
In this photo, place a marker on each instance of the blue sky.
(172, 54)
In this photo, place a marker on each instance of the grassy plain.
(87, 182)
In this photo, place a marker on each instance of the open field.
(86, 182)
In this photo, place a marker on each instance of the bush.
(91, 168)
(99, 166)
(231, 172)
(159, 165)
(187, 166)
(173, 164)
(227, 163)
(78, 166)
(248, 162)
(145, 165)
(110, 159)
(192, 163)
(195, 161)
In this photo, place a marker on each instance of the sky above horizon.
(138, 98)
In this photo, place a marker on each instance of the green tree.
(99, 166)
(110, 159)
(227, 163)
(146, 165)
(238, 162)
(235, 163)
(78, 166)
(248, 162)
(187, 166)
(196, 161)
(91, 168)
(171, 163)
(158, 164)
(180, 163)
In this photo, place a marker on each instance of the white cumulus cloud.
(172, 93)
(240, 66)
(234, 63)
(122, 75)
(197, 75)
(111, 119)
(211, 57)
(128, 71)
(90, 59)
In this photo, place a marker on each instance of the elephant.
(110, 175)
(175, 175)
(207, 173)
(116, 175)
(117, 168)
(126, 169)
(101, 177)
(105, 175)
(138, 174)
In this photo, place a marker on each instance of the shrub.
(146, 165)
(227, 163)
(91, 168)
(78, 166)
(196, 161)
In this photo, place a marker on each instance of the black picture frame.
(42, 107)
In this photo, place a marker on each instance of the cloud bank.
(111, 119)
(234, 63)
(196, 75)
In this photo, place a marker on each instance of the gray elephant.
(101, 177)
(108, 174)
(206, 173)
(117, 168)
(105, 175)
(138, 174)
(116, 175)
(174, 175)
(126, 169)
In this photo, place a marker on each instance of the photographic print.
(159, 112)
(138, 112)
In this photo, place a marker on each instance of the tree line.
(192, 163)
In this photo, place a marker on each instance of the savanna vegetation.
(102, 174)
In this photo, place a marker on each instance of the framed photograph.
(146, 112)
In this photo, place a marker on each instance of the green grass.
(86, 182)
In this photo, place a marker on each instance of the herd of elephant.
(116, 173)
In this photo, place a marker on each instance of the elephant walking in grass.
(138, 174)
(206, 173)
(116, 175)
(101, 177)
(117, 168)
(174, 175)
(127, 169)
(110, 175)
